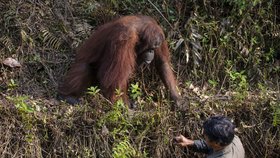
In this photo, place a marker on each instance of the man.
(220, 140)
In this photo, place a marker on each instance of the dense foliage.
(225, 54)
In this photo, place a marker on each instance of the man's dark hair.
(219, 129)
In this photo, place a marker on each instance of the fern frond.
(7, 43)
(124, 150)
(50, 40)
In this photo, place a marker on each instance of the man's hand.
(183, 141)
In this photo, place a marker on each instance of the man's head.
(218, 130)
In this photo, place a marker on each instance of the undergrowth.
(225, 55)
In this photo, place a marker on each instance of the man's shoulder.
(233, 150)
(236, 143)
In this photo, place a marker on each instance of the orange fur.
(108, 57)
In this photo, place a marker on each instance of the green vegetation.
(225, 55)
